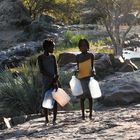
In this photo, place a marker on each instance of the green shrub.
(65, 77)
(21, 95)
(75, 39)
(71, 39)
(99, 43)
(108, 41)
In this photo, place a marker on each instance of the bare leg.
(90, 107)
(54, 112)
(46, 114)
(82, 108)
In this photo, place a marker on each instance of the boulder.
(16, 25)
(13, 56)
(13, 18)
(41, 28)
(38, 31)
(116, 61)
(136, 61)
(128, 66)
(67, 57)
(13, 14)
(70, 67)
(104, 64)
(121, 88)
(90, 16)
(70, 57)
(46, 19)
(132, 42)
(12, 62)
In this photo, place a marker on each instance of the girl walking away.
(85, 71)
(48, 68)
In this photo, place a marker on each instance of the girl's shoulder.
(40, 57)
(91, 55)
(78, 56)
(81, 57)
(53, 56)
(45, 56)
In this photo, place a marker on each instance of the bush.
(99, 43)
(65, 77)
(71, 39)
(21, 94)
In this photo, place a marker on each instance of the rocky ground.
(119, 123)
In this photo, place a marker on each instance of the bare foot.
(54, 123)
(46, 124)
(83, 117)
(90, 117)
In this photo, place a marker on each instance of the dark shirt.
(48, 68)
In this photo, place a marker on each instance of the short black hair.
(47, 43)
(81, 41)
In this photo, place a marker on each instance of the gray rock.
(46, 19)
(15, 55)
(13, 14)
(66, 58)
(16, 25)
(104, 64)
(132, 42)
(128, 66)
(39, 30)
(136, 61)
(121, 88)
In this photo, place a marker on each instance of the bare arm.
(56, 71)
(92, 65)
(77, 70)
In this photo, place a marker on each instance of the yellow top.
(85, 69)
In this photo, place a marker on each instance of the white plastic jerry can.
(48, 101)
(94, 88)
(61, 96)
(75, 86)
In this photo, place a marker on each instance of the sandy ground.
(120, 123)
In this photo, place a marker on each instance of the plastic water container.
(48, 101)
(75, 86)
(94, 88)
(61, 96)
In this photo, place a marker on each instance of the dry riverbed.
(120, 123)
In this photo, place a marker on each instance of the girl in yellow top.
(85, 65)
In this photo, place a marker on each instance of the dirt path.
(110, 124)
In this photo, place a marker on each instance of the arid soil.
(119, 123)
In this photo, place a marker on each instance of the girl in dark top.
(85, 71)
(48, 68)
